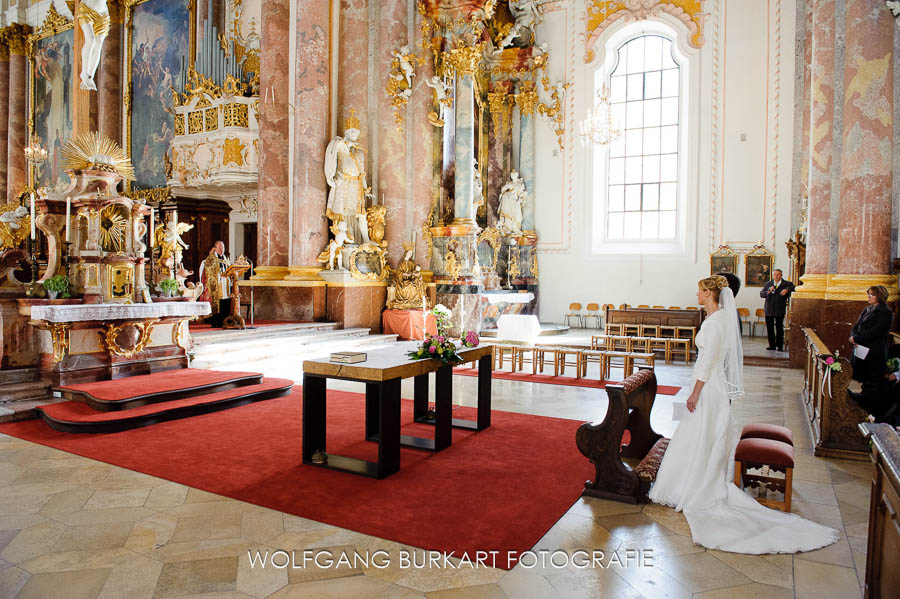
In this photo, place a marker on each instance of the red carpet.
(549, 379)
(158, 382)
(499, 489)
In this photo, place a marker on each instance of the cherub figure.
(406, 67)
(333, 250)
(13, 217)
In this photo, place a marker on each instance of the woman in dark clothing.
(872, 331)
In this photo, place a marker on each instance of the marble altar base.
(494, 304)
(297, 301)
(464, 302)
(356, 303)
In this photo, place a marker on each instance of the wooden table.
(382, 373)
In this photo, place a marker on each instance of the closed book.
(348, 357)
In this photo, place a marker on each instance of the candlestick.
(424, 316)
(33, 234)
(151, 231)
(68, 216)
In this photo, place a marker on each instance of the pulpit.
(234, 274)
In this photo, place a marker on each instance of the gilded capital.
(526, 101)
(500, 104)
(465, 60)
(16, 37)
(116, 10)
(4, 49)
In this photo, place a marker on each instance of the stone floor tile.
(67, 502)
(197, 576)
(200, 550)
(32, 542)
(81, 584)
(592, 583)
(593, 507)
(753, 590)
(94, 536)
(119, 514)
(198, 496)
(134, 578)
(522, 584)
(336, 588)
(699, 572)
(261, 526)
(653, 582)
(674, 521)
(226, 526)
(65, 561)
(827, 515)
(166, 496)
(814, 492)
(813, 580)
(118, 498)
(632, 527)
(151, 533)
(12, 579)
(756, 568)
(483, 591)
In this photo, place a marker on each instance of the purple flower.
(432, 349)
(440, 338)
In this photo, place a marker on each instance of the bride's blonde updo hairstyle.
(715, 284)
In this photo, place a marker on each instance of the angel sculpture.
(406, 67)
(333, 250)
(13, 217)
(171, 245)
(527, 14)
(442, 95)
(93, 18)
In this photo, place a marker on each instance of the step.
(18, 375)
(217, 335)
(77, 417)
(23, 391)
(131, 392)
(302, 336)
(24, 410)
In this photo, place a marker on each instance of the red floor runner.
(499, 489)
(548, 379)
(158, 382)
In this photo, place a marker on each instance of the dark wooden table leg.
(372, 411)
(420, 396)
(484, 392)
(389, 428)
(443, 400)
(313, 416)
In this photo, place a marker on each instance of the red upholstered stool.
(756, 453)
(768, 431)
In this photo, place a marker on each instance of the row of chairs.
(653, 330)
(596, 312)
(669, 345)
(564, 356)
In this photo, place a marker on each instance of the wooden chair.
(632, 329)
(591, 355)
(615, 329)
(692, 308)
(625, 432)
(661, 344)
(685, 344)
(744, 314)
(598, 341)
(659, 307)
(647, 359)
(574, 312)
(540, 357)
(687, 332)
(593, 311)
(624, 306)
(757, 454)
(643, 306)
(500, 352)
(667, 330)
(525, 355)
(649, 330)
(617, 359)
(640, 344)
(563, 357)
(760, 320)
(674, 307)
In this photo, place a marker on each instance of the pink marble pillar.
(353, 69)
(392, 148)
(425, 140)
(867, 154)
(4, 114)
(274, 134)
(109, 80)
(806, 99)
(311, 101)
(822, 91)
(17, 178)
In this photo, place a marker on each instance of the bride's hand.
(692, 402)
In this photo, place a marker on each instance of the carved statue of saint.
(346, 175)
(512, 199)
(407, 287)
(93, 18)
(527, 14)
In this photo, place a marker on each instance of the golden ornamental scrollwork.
(53, 23)
(513, 267)
(236, 115)
(233, 152)
(17, 38)
(112, 332)
(426, 233)
(493, 237)
(534, 263)
(15, 225)
(451, 261)
(527, 101)
(376, 263)
(465, 60)
(155, 195)
(601, 14)
(59, 338)
(500, 105)
(399, 83)
(179, 334)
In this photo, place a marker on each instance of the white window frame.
(596, 158)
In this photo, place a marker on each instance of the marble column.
(4, 113)
(867, 151)
(499, 149)
(424, 141)
(822, 80)
(109, 78)
(16, 173)
(353, 82)
(274, 140)
(464, 149)
(526, 101)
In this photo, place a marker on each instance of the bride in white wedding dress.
(695, 476)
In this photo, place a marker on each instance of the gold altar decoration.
(526, 100)
(179, 334)
(465, 59)
(451, 260)
(407, 288)
(170, 249)
(16, 36)
(399, 83)
(152, 195)
(233, 152)
(512, 269)
(15, 225)
(374, 260)
(375, 216)
(492, 236)
(796, 248)
(92, 151)
(120, 282)
(113, 224)
(143, 330)
(534, 263)
(426, 232)
(723, 260)
(59, 338)
(601, 14)
(500, 105)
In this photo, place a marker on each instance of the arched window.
(640, 182)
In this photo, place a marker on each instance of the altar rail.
(833, 416)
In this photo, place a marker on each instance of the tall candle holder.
(66, 257)
(35, 289)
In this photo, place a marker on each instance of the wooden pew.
(602, 443)
(833, 416)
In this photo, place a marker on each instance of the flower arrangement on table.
(441, 346)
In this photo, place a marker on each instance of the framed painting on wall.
(159, 40)
(723, 260)
(758, 266)
(50, 109)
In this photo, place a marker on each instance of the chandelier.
(34, 153)
(599, 128)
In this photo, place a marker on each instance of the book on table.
(348, 357)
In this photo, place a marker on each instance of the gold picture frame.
(372, 261)
(723, 260)
(758, 266)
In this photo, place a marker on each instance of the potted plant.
(56, 285)
(168, 287)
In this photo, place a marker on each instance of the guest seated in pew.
(883, 401)
(869, 337)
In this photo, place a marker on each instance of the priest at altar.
(216, 288)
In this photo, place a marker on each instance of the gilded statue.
(407, 288)
(375, 216)
(346, 175)
(171, 245)
(93, 18)
(332, 251)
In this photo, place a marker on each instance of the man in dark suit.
(777, 293)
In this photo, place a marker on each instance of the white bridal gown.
(696, 474)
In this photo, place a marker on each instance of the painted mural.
(160, 41)
(53, 64)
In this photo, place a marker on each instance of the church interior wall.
(748, 58)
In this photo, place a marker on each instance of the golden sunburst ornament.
(112, 228)
(92, 151)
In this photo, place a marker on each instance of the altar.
(495, 304)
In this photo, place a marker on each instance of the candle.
(33, 236)
(68, 216)
(151, 227)
(424, 317)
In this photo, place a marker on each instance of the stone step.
(23, 391)
(23, 410)
(17, 375)
(297, 338)
(269, 331)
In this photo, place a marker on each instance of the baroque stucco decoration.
(601, 14)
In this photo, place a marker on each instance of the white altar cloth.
(83, 312)
(509, 298)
